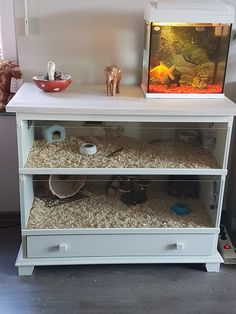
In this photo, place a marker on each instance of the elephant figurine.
(113, 77)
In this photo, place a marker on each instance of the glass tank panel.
(60, 144)
(146, 50)
(185, 58)
(120, 201)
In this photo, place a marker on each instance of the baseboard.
(9, 218)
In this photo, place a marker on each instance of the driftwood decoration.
(113, 78)
(64, 186)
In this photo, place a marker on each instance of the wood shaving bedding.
(103, 211)
(135, 154)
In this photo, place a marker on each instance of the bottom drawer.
(99, 245)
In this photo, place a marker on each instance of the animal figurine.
(113, 78)
(8, 71)
(57, 76)
(161, 73)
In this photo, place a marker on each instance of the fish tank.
(186, 46)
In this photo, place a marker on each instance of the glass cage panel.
(61, 144)
(186, 58)
(120, 201)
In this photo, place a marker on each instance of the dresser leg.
(25, 270)
(213, 267)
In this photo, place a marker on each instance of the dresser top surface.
(92, 100)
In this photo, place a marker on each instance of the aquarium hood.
(189, 11)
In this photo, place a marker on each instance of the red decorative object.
(52, 86)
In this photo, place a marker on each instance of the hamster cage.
(186, 48)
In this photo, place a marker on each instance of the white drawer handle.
(63, 247)
(179, 246)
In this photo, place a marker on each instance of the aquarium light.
(197, 25)
(188, 11)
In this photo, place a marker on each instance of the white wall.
(82, 37)
(7, 29)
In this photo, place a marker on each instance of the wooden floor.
(117, 289)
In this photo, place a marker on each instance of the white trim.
(8, 30)
(107, 231)
(21, 261)
(92, 101)
(123, 118)
(113, 171)
(228, 141)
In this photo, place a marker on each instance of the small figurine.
(113, 78)
(51, 71)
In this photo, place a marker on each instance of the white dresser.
(181, 169)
